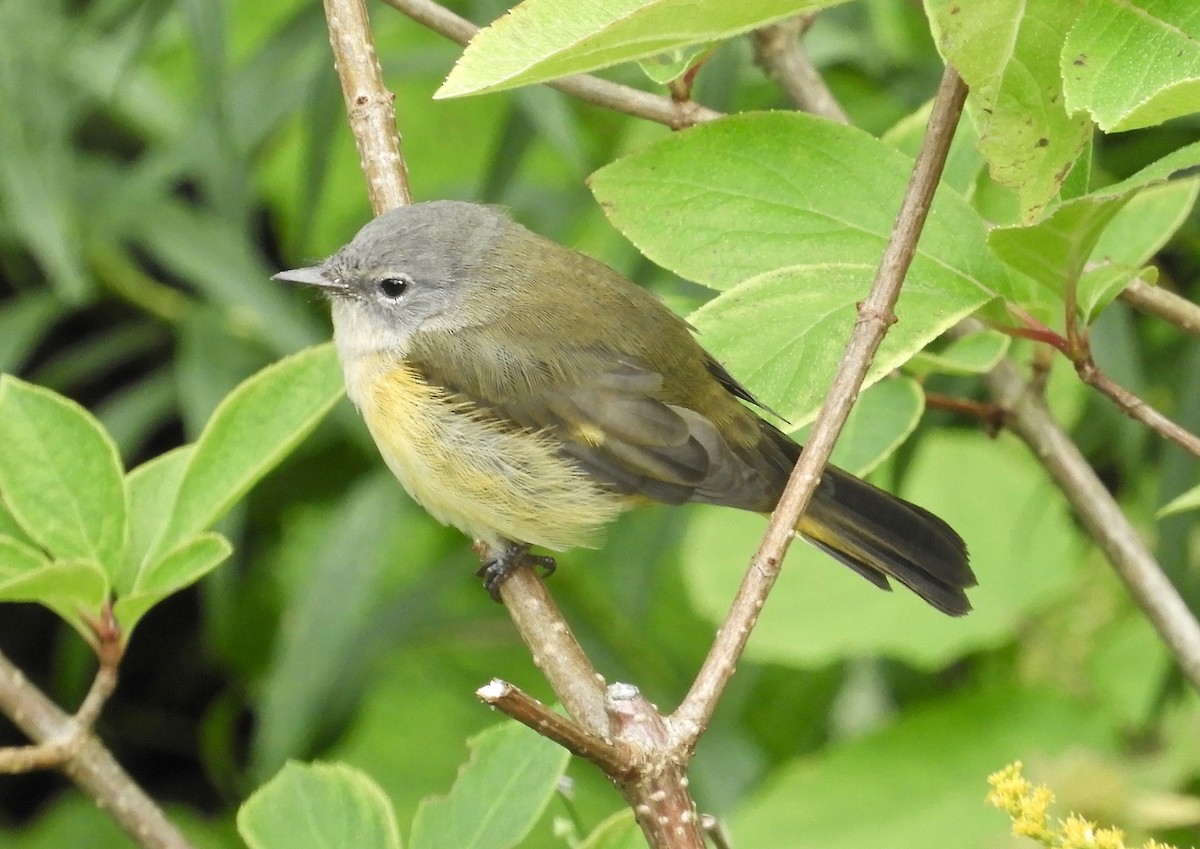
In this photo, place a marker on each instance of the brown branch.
(368, 103)
(657, 789)
(1096, 509)
(555, 650)
(874, 316)
(1075, 348)
(620, 98)
(777, 50)
(511, 701)
(990, 415)
(1134, 407)
(87, 762)
(1160, 303)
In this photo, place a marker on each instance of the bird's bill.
(312, 276)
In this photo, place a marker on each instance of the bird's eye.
(394, 287)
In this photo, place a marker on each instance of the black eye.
(394, 287)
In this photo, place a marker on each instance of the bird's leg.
(498, 566)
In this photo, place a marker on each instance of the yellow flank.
(469, 471)
(588, 433)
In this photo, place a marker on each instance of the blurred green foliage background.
(160, 160)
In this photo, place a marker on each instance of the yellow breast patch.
(493, 481)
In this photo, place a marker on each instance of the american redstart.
(527, 395)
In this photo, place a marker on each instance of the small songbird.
(527, 395)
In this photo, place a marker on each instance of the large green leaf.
(1008, 54)
(1023, 550)
(1112, 38)
(545, 39)
(24, 320)
(498, 795)
(783, 333)
(882, 418)
(920, 781)
(60, 475)
(318, 806)
(758, 192)
(254, 428)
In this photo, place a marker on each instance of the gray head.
(404, 269)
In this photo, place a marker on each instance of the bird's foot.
(498, 567)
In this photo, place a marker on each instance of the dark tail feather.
(881, 536)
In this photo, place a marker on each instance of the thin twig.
(620, 98)
(1095, 507)
(368, 104)
(90, 765)
(1162, 304)
(1136, 408)
(515, 703)
(875, 315)
(54, 753)
(778, 51)
(1075, 348)
(990, 415)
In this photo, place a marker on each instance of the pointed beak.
(311, 276)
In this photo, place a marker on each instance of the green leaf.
(60, 475)
(150, 490)
(9, 527)
(1055, 250)
(673, 64)
(967, 736)
(1189, 500)
(17, 558)
(759, 192)
(318, 806)
(1008, 54)
(783, 333)
(498, 795)
(974, 353)
(882, 418)
(1098, 287)
(74, 589)
(1158, 38)
(181, 568)
(1147, 222)
(619, 831)
(256, 426)
(24, 320)
(343, 572)
(1128, 664)
(1017, 528)
(1135, 235)
(545, 39)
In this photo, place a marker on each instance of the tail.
(881, 536)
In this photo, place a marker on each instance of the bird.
(528, 394)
